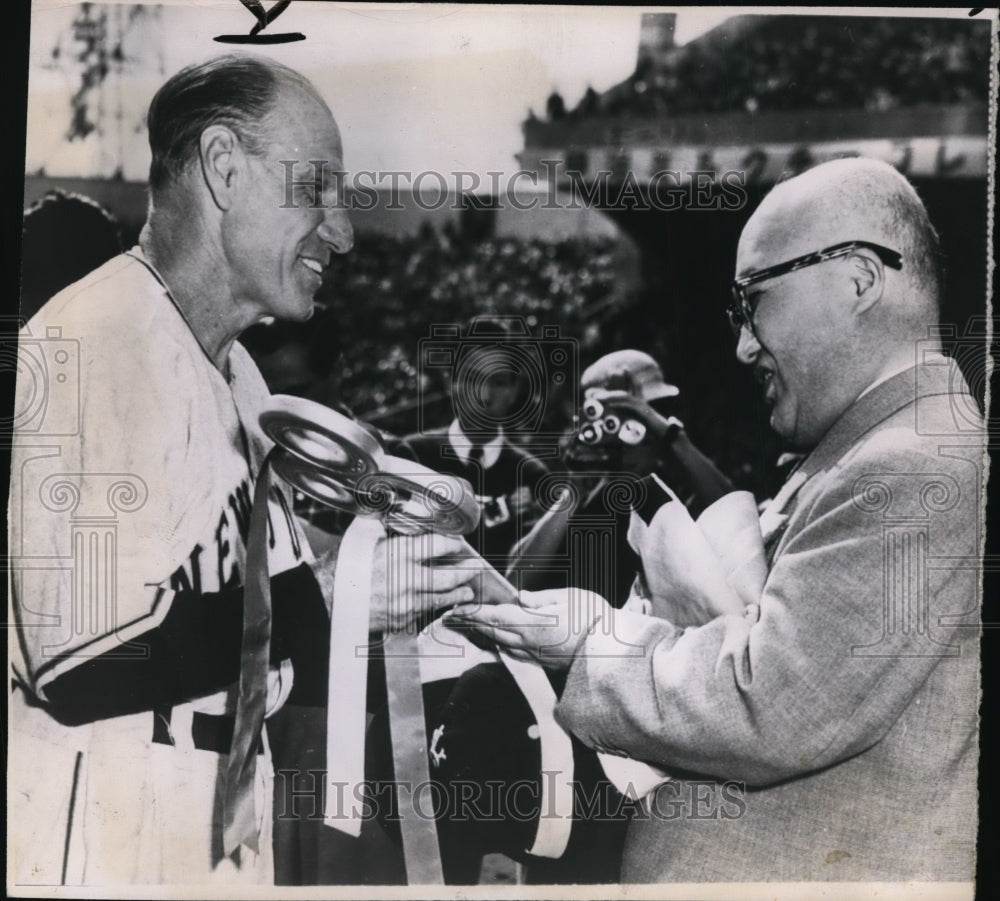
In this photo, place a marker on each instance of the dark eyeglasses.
(741, 311)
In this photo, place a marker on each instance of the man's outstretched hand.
(545, 626)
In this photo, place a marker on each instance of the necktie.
(477, 456)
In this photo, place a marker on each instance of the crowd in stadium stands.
(361, 350)
(791, 63)
(378, 301)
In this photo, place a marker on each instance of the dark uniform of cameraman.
(486, 392)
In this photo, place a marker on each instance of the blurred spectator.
(64, 237)
(555, 106)
(379, 301)
(487, 389)
(590, 105)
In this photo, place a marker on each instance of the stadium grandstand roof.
(914, 91)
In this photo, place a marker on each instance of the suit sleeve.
(804, 679)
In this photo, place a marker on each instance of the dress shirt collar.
(932, 358)
(935, 375)
(463, 445)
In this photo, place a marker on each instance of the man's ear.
(867, 280)
(221, 156)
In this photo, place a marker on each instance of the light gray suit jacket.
(831, 732)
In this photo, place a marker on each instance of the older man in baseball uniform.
(144, 532)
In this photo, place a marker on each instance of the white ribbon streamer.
(348, 675)
(555, 816)
(445, 654)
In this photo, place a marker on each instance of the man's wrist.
(672, 429)
(622, 633)
(602, 622)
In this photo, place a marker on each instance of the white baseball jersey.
(132, 482)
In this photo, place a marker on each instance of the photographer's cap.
(627, 370)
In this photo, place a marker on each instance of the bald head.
(856, 199)
(823, 333)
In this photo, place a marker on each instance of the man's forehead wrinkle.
(301, 122)
(773, 233)
(852, 198)
(812, 212)
(301, 148)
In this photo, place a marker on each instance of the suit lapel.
(871, 409)
(876, 406)
(774, 519)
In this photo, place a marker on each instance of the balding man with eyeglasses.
(825, 729)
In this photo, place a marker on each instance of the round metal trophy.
(338, 462)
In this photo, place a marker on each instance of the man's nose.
(748, 346)
(336, 230)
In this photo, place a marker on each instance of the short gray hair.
(235, 90)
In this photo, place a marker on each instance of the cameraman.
(487, 391)
(627, 432)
